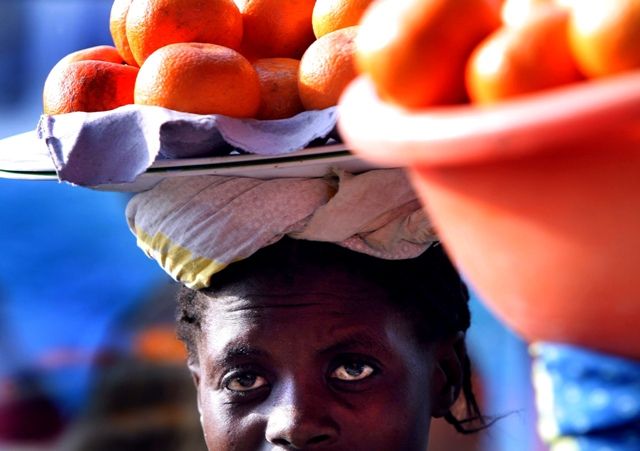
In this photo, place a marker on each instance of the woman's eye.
(352, 371)
(245, 382)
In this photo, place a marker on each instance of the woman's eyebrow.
(234, 352)
(356, 341)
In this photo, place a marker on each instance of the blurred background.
(88, 358)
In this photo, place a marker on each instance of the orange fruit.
(118, 28)
(332, 15)
(415, 51)
(326, 68)
(519, 60)
(604, 36)
(88, 85)
(152, 24)
(517, 12)
(102, 84)
(199, 78)
(276, 28)
(279, 97)
(98, 53)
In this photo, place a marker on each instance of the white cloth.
(106, 147)
(195, 226)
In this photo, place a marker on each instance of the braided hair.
(427, 290)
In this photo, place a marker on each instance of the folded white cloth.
(105, 147)
(195, 226)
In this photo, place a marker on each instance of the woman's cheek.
(229, 427)
(217, 425)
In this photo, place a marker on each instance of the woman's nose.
(295, 423)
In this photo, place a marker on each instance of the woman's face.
(321, 363)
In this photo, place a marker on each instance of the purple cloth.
(91, 149)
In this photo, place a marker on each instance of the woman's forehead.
(310, 300)
(250, 299)
(310, 320)
(306, 284)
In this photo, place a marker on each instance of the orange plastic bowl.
(537, 201)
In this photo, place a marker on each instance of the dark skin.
(319, 363)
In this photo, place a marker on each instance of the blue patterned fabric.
(588, 401)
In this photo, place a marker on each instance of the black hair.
(427, 289)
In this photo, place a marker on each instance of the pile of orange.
(265, 59)
(422, 53)
(271, 59)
